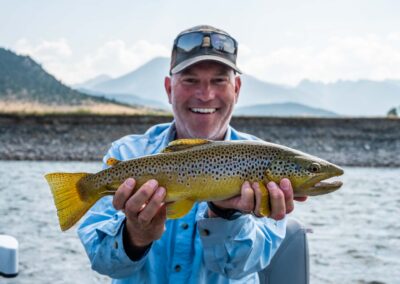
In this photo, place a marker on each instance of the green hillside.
(22, 79)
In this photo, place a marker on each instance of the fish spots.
(218, 162)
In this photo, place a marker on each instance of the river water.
(355, 239)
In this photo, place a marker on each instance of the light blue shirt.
(194, 248)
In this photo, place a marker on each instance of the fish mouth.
(318, 188)
(320, 184)
(324, 187)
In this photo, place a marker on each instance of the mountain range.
(288, 109)
(347, 98)
(26, 87)
(24, 81)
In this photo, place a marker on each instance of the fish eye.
(314, 168)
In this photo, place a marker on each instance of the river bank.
(345, 141)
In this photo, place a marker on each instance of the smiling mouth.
(203, 110)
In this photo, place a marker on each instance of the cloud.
(360, 57)
(114, 58)
(46, 50)
(368, 57)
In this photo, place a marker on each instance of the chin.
(209, 135)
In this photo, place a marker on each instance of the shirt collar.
(171, 133)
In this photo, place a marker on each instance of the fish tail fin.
(265, 207)
(67, 198)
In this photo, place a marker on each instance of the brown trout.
(194, 170)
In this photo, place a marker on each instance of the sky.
(279, 41)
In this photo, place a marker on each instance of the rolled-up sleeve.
(102, 237)
(236, 248)
(101, 234)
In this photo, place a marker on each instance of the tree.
(393, 112)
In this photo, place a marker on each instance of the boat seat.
(290, 264)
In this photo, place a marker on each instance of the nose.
(205, 92)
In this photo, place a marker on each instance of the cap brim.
(185, 64)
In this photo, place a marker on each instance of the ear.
(167, 86)
(238, 84)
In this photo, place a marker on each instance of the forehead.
(207, 66)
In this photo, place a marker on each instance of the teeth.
(204, 110)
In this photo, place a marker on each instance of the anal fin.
(179, 208)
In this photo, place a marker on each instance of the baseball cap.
(202, 43)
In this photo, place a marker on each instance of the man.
(129, 237)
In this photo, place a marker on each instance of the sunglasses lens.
(223, 43)
(189, 41)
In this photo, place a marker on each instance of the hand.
(281, 199)
(144, 209)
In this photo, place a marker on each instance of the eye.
(220, 80)
(314, 168)
(189, 80)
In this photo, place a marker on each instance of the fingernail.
(285, 184)
(271, 185)
(161, 191)
(130, 182)
(152, 183)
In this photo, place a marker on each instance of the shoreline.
(365, 142)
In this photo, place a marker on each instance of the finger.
(161, 215)
(287, 189)
(246, 201)
(258, 197)
(277, 201)
(152, 207)
(301, 198)
(136, 202)
(123, 193)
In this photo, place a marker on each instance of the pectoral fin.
(179, 208)
(112, 162)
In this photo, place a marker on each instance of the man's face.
(202, 98)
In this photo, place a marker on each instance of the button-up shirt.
(194, 248)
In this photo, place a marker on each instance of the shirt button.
(178, 268)
(116, 245)
(184, 226)
(204, 232)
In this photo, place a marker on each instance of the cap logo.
(206, 41)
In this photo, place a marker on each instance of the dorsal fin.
(182, 144)
(112, 162)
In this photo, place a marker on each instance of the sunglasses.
(195, 40)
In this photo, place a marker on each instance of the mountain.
(92, 82)
(350, 98)
(361, 97)
(146, 81)
(21, 78)
(129, 99)
(26, 86)
(283, 109)
(255, 91)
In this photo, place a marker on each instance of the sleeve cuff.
(134, 256)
